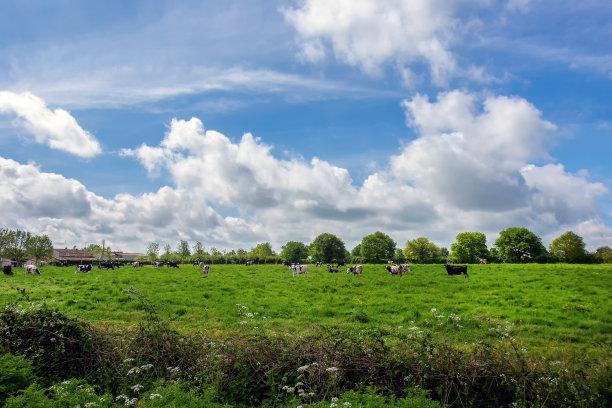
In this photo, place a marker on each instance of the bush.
(68, 393)
(16, 374)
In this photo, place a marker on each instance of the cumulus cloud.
(370, 33)
(56, 128)
(475, 164)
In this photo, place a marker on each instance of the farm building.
(72, 255)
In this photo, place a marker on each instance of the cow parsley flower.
(153, 396)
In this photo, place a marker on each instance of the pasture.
(556, 310)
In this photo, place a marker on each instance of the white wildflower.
(137, 387)
(302, 368)
(153, 396)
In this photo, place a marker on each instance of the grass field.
(555, 309)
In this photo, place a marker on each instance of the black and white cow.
(456, 270)
(331, 269)
(394, 269)
(298, 269)
(83, 269)
(32, 269)
(355, 270)
(205, 269)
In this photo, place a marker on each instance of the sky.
(239, 122)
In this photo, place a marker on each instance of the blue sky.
(239, 122)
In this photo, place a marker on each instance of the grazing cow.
(404, 267)
(155, 264)
(171, 264)
(249, 263)
(394, 269)
(355, 270)
(106, 265)
(456, 270)
(331, 269)
(8, 270)
(83, 269)
(483, 261)
(297, 269)
(205, 268)
(341, 264)
(390, 262)
(136, 264)
(32, 269)
(320, 263)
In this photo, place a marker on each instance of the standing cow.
(8, 270)
(456, 270)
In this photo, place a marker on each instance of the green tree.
(153, 251)
(241, 255)
(470, 247)
(603, 254)
(421, 250)
(98, 251)
(5, 236)
(377, 247)
(182, 251)
(16, 245)
(568, 247)
(198, 252)
(356, 251)
(39, 247)
(518, 244)
(167, 255)
(328, 248)
(262, 251)
(294, 251)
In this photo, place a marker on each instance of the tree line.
(514, 245)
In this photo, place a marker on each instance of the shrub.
(16, 374)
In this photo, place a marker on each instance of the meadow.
(557, 310)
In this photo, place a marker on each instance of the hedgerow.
(153, 364)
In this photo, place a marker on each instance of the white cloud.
(471, 167)
(370, 33)
(56, 128)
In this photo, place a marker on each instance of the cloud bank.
(478, 163)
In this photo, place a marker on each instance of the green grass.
(556, 309)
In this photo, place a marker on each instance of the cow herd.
(297, 269)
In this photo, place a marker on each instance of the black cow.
(286, 263)
(170, 264)
(341, 264)
(8, 270)
(320, 263)
(457, 270)
(106, 265)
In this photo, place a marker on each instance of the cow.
(390, 262)
(155, 264)
(171, 264)
(32, 269)
(249, 263)
(394, 269)
(456, 270)
(320, 263)
(483, 261)
(8, 270)
(341, 264)
(355, 270)
(297, 269)
(82, 269)
(331, 269)
(404, 267)
(106, 265)
(205, 269)
(136, 264)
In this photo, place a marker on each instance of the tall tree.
(421, 250)
(294, 251)
(5, 237)
(328, 248)
(167, 255)
(98, 251)
(198, 252)
(16, 246)
(182, 251)
(518, 244)
(377, 247)
(568, 247)
(153, 251)
(39, 247)
(470, 247)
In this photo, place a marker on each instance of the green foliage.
(68, 393)
(568, 247)
(39, 247)
(262, 251)
(16, 374)
(182, 251)
(422, 251)
(377, 247)
(518, 245)
(328, 248)
(15, 245)
(603, 255)
(470, 247)
(294, 251)
(153, 251)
